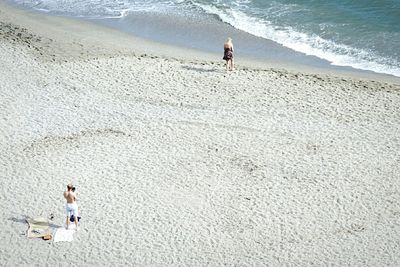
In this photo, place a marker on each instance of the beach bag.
(72, 218)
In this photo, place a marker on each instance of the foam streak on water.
(361, 34)
(306, 42)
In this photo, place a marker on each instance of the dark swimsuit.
(228, 53)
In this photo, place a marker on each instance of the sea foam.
(337, 54)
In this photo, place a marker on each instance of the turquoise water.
(361, 34)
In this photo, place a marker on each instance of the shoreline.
(177, 162)
(126, 40)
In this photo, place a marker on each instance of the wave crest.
(337, 54)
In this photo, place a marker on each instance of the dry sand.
(178, 163)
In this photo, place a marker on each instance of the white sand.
(178, 163)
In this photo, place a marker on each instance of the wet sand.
(177, 162)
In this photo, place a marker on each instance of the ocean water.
(363, 34)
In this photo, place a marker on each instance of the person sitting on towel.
(71, 207)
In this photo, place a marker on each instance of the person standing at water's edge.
(228, 54)
(71, 207)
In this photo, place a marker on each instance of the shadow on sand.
(200, 69)
(23, 219)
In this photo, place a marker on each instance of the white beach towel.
(64, 235)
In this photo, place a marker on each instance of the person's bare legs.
(76, 223)
(227, 65)
(67, 222)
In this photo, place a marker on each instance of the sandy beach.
(178, 163)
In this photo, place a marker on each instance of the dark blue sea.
(363, 34)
